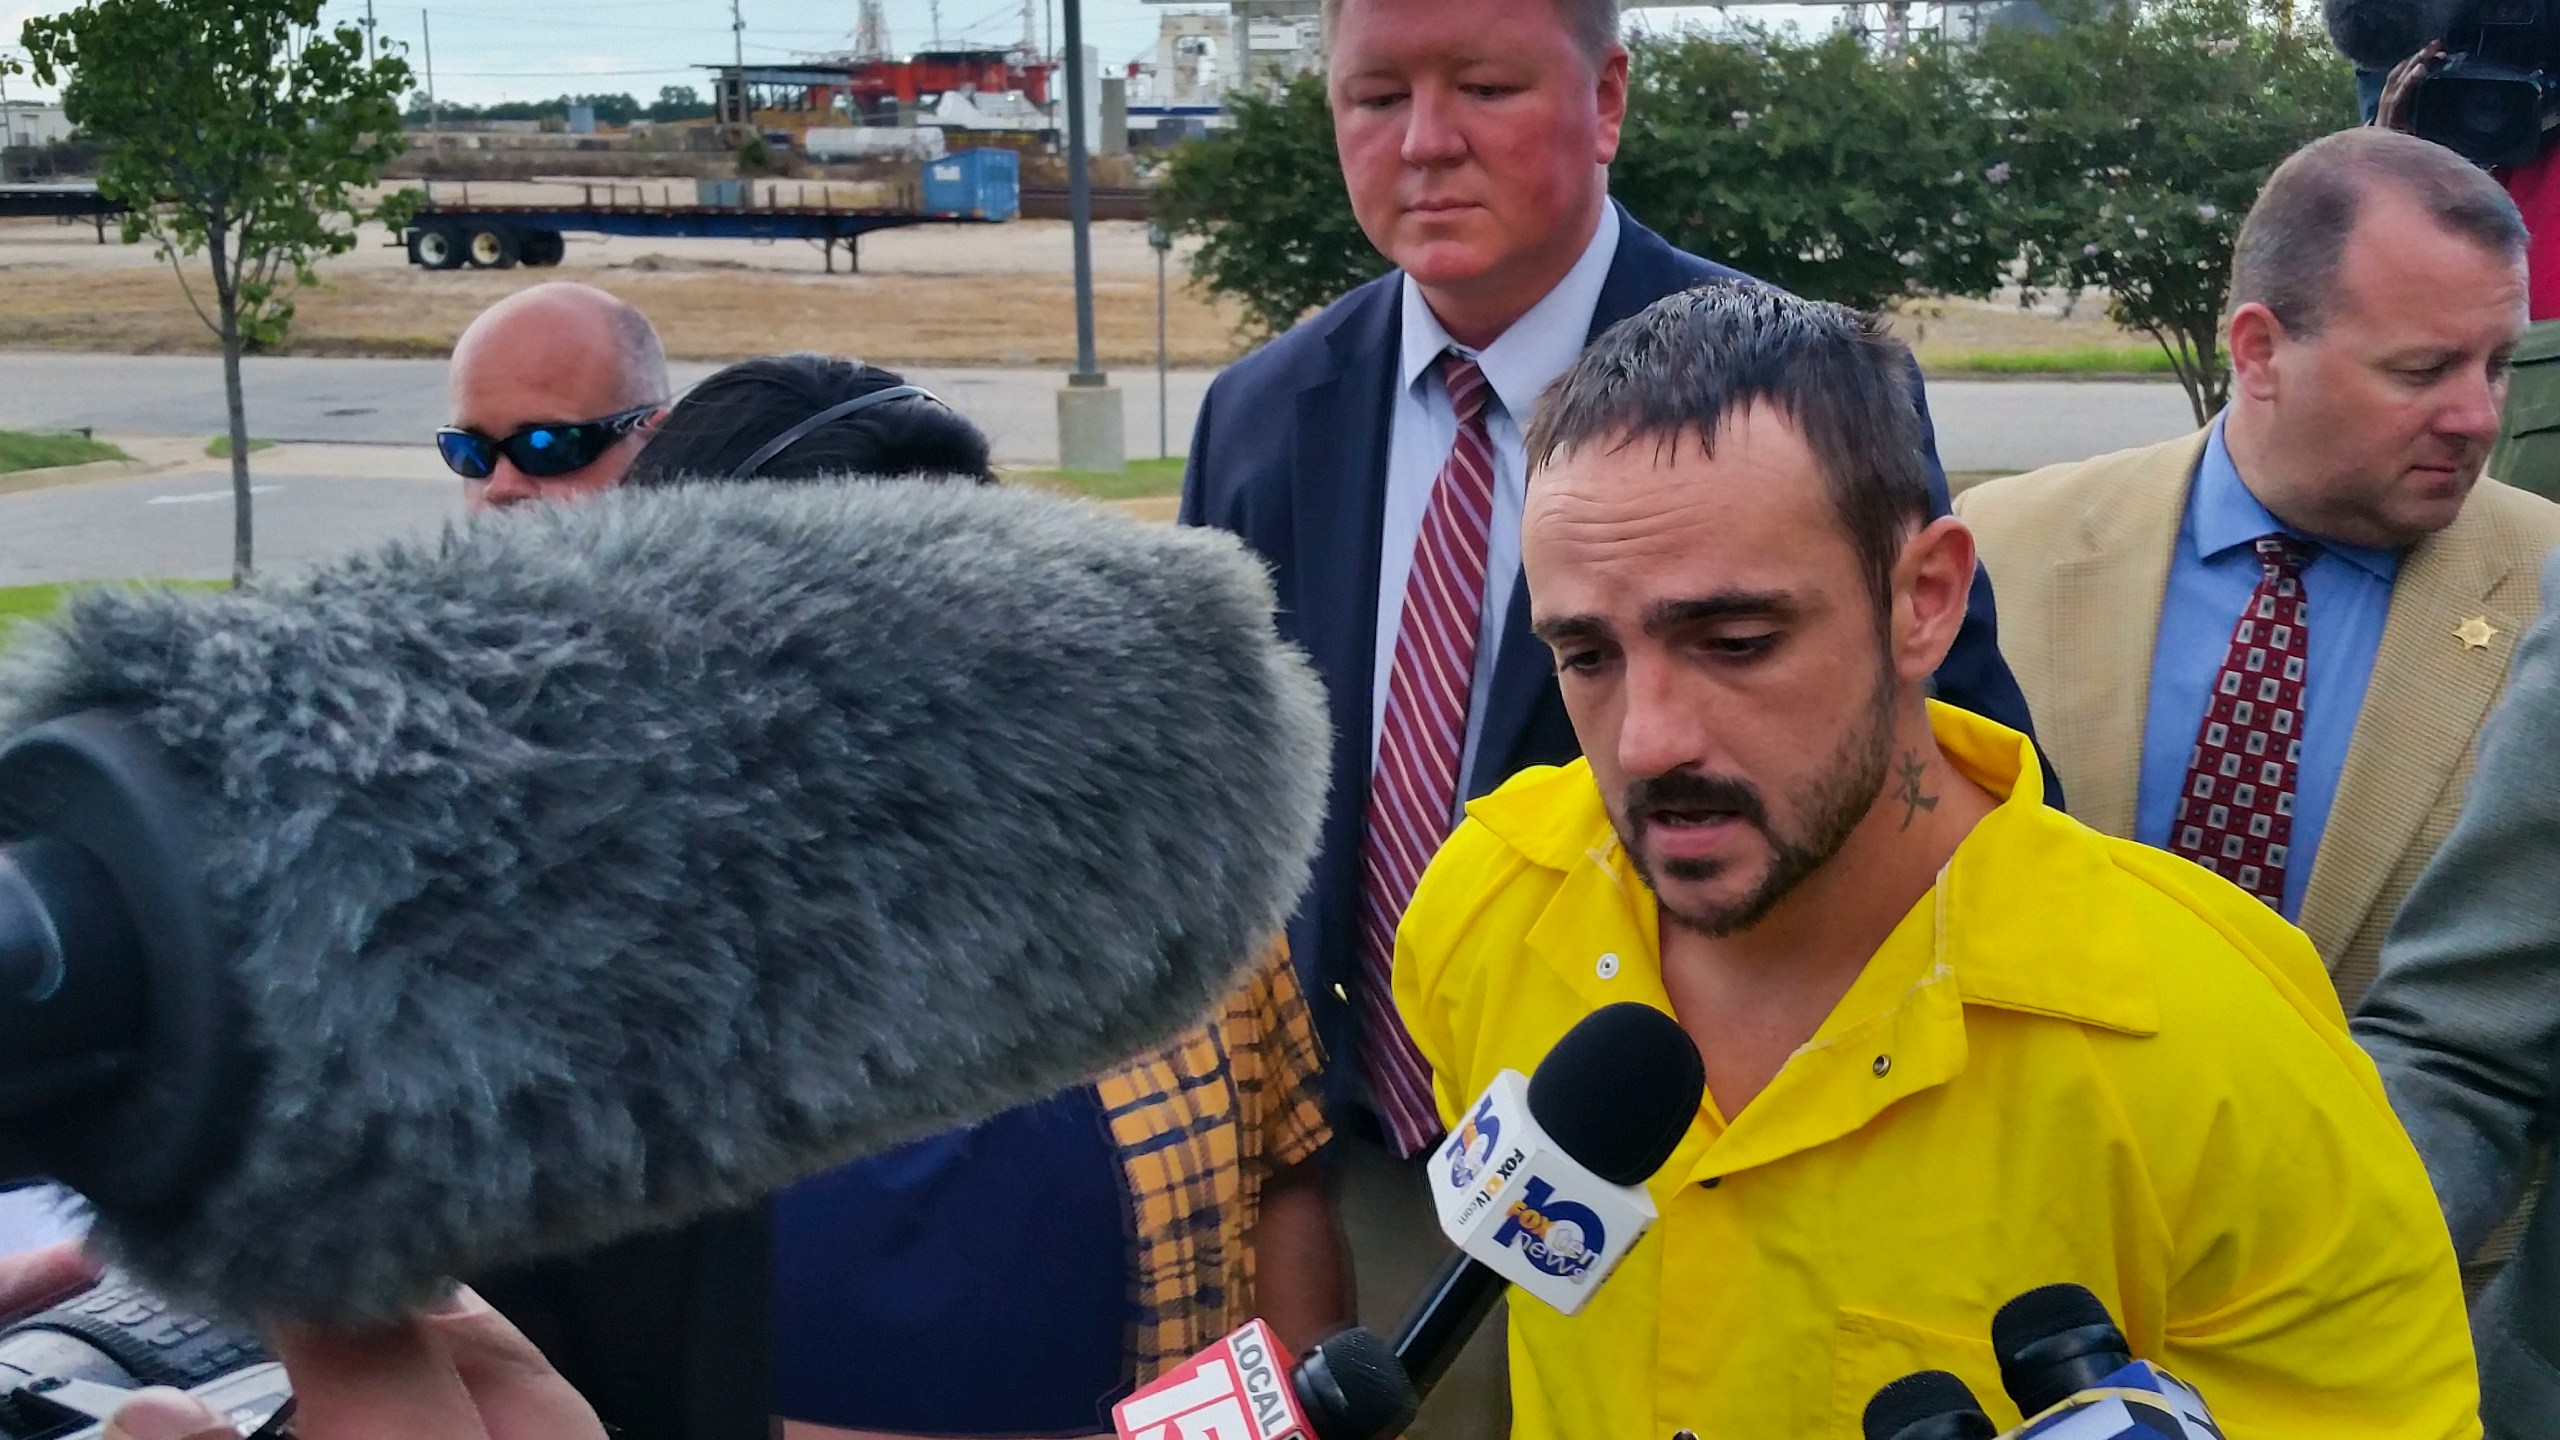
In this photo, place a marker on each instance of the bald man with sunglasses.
(554, 391)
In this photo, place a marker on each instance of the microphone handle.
(1452, 1306)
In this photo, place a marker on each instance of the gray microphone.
(600, 866)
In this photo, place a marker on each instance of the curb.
(51, 477)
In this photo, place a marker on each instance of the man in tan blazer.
(2270, 646)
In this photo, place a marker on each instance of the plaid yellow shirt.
(1199, 1126)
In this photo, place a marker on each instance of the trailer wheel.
(493, 249)
(542, 247)
(435, 248)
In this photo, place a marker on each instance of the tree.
(233, 129)
(1817, 165)
(2137, 141)
(1278, 235)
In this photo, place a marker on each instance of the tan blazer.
(2079, 557)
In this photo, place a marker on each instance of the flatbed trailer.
(978, 189)
(66, 201)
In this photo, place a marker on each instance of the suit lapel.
(1343, 433)
(2426, 701)
(2104, 626)
(1644, 270)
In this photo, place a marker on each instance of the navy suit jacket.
(1290, 453)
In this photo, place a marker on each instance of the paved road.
(356, 468)
(312, 502)
(1982, 425)
(401, 402)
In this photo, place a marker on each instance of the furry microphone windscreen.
(610, 863)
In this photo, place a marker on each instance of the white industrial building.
(27, 122)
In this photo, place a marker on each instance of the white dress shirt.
(1519, 365)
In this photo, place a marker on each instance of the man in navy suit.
(1475, 137)
(1373, 455)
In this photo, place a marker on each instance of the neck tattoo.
(1914, 799)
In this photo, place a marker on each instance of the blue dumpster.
(976, 184)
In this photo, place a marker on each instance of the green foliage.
(2117, 153)
(219, 447)
(2138, 140)
(20, 450)
(238, 130)
(1266, 198)
(1819, 165)
(231, 127)
(674, 102)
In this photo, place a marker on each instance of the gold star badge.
(2475, 633)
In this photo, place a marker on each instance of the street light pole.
(1091, 435)
(1080, 196)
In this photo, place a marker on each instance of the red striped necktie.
(1413, 793)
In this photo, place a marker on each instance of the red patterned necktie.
(2235, 817)
(1413, 793)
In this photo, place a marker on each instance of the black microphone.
(1929, 1405)
(1616, 1094)
(2054, 1342)
(604, 865)
(1352, 1387)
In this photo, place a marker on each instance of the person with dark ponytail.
(805, 415)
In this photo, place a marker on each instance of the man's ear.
(1932, 583)
(1613, 102)
(2254, 336)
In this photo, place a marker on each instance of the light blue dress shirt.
(1518, 365)
(2212, 574)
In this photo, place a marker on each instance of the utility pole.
(368, 32)
(428, 34)
(746, 120)
(936, 8)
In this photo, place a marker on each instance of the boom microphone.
(604, 865)
(2379, 34)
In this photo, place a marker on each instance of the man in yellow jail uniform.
(1957, 1045)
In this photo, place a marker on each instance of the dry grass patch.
(703, 314)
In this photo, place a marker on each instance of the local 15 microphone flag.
(1509, 1196)
(1237, 1389)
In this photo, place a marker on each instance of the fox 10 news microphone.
(1541, 1188)
(2066, 1366)
(603, 865)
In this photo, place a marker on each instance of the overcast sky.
(485, 51)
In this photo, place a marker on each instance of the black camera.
(2495, 94)
(63, 1371)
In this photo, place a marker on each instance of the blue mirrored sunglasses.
(541, 451)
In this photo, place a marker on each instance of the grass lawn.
(1142, 478)
(2086, 360)
(35, 602)
(219, 447)
(20, 450)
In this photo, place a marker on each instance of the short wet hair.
(1681, 367)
